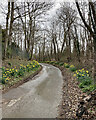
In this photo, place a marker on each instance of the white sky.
(3, 3)
(52, 11)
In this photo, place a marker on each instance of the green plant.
(61, 64)
(10, 64)
(73, 69)
(92, 87)
(3, 81)
(51, 62)
(47, 61)
(20, 72)
(57, 63)
(85, 89)
(10, 74)
(81, 85)
(89, 88)
(85, 83)
(66, 65)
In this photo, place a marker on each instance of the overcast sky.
(3, 4)
(52, 11)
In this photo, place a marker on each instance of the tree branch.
(87, 26)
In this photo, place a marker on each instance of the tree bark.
(94, 37)
(11, 23)
(6, 40)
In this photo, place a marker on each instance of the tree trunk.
(44, 49)
(69, 46)
(32, 42)
(11, 23)
(54, 47)
(77, 45)
(25, 27)
(6, 40)
(39, 54)
(94, 37)
(51, 51)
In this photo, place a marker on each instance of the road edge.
(23, 80)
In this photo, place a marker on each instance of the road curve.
(37, 98)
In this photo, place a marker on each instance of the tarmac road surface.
(37, 98)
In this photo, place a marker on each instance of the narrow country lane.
(37, 98)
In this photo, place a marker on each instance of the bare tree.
(92, 28)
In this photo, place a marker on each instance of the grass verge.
(83, 76)
(16, 72)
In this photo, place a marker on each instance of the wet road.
(37, 98)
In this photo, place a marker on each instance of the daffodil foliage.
(85, 80)
(72, 68)
(66, 65)
(7, 73)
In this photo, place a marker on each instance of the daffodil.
(87, 71)
(74, 75)
(72, 66)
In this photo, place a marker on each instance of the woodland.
(65, 38)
